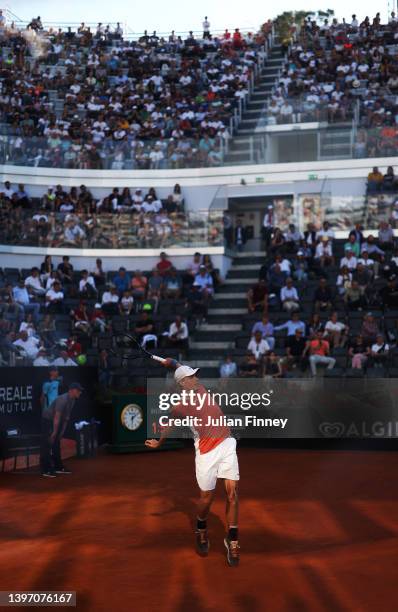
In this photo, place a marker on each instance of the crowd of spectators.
(123, 218)
(54, 315)
(92, 99)
(320, 301)
(334, 66)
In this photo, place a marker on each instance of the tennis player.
(215, 457)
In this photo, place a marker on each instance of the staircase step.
(203, 363)
(222, 346)
(249, 254)
(236, 295)
(249, 260)
(237, 287)
(216, 327)
(242, 281)
(220, 319)
(247, 274)
(244, 266)
(212, 336)
(225, 312)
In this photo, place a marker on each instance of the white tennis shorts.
(221, 462)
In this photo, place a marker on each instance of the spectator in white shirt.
(28, 325)
(379, 352)
(258, 346)
(336, 332)
(325, 231)
(54, 298)
(33, 283)
(110, 301)
(323, 252)
(205, 281)
(349, 260)
(41, 359)
(178, 333)
(289, 296)
(29, 345)
(63, 360)
(87, 286)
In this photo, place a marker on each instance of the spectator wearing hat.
(323, 252)
(55, 419)
(205, 282)
(172, 285)
(97, 318)
(301, 268)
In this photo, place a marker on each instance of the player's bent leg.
(202, 538)
(231, 540)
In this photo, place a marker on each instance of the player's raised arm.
(172, 364)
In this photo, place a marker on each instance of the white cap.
(98, 305)
(184, 371)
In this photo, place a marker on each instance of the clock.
(132, 417)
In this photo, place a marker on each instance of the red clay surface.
(319, 531)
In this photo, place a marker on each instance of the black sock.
(201, 524)
(233, 533)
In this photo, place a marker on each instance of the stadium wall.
(201, 185)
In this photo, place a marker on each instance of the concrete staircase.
(246, 146)
(216, 338)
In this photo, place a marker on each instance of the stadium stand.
(101, 102)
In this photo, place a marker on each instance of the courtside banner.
(275, 408)
(21, 390)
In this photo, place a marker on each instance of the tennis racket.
(167, 362)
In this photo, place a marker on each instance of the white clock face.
(132, 417)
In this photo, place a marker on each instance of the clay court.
(319, 531)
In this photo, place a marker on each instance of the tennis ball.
(81, 359)
(147, 307)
